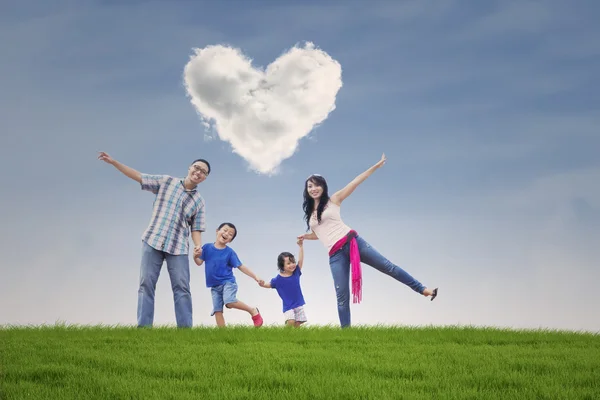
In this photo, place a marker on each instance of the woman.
(346, 248)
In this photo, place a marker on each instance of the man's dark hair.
(204, 161)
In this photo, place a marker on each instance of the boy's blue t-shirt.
(219, 264)
(288, 288)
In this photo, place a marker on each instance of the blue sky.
(487, 112)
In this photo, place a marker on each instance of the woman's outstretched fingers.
(382, 161)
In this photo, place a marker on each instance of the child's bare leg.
(298, 323)
(238, 305)
(220, 319)
(290, 322)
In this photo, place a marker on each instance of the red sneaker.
(257, 319)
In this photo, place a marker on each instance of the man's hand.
(125, 170)
(102, 156)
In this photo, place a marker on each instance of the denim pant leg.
(372, 257)
(340, 270)
(179, 272)
(152, 261)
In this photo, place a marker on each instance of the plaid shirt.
(177, 211)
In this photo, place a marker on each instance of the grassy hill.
(318, 363)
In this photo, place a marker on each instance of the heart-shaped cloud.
(262, 113)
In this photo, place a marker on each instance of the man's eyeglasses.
(198, 168)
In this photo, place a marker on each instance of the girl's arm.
(342, 194)
(300, 253)
(248, 272)
(262, 283)
(308, 236)
(198, 261)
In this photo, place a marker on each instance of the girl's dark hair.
(204, 161)
(229, 224)
(281, 259)
(309, 202)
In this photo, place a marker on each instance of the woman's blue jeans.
(340, 270)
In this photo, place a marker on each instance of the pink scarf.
(354, 262)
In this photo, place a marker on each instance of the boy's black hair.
(229, 224)
(204, 161)
(281, 259)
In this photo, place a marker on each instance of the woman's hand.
(381, 162)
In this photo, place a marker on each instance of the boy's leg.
(220, 319)
(240, 305)
(231, 301)
(217, 299)
(151, 264)
(290, 322)
(179, 271)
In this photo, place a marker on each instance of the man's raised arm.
(127, 171)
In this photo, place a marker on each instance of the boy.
(220, 261)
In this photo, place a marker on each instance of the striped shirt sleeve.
(151, 183)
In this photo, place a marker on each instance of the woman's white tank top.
(332, 228)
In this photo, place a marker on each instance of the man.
(178, 209)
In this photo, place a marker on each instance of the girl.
(287, 284)
(345, 246)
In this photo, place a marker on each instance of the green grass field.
(316, 363)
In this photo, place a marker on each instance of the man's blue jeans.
(179, 272)
(340, 270)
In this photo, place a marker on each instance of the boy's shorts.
(223, 294)
(297, 314)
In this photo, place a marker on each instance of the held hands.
(300, 240)
(102, 156)
(197, 254)
(261, 283)
(197, 251)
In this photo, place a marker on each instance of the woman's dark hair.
(204, 161)
(309, 202)
(281, 259)
(229, 224)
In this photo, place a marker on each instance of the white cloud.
(263, 113)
